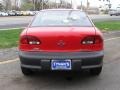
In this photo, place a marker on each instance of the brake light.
(92, 40)
(29, 40)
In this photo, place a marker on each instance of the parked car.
(24, 13)
(61, 40)
(30, 13)
(0, 13)
(18, 13)
(36, 12)
(11, 13)
(3, 14)
(114, 12)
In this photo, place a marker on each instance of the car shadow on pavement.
(59, 80)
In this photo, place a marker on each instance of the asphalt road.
(11, 77)
(22, 21)
(14, 22)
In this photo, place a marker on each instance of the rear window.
(61, 18)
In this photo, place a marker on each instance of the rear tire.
(96, 71)
(26, 71)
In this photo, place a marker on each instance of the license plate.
(61, 64)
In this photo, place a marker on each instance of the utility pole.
(66, 4)
(56, 3)
(49, 3)
(109, 5)
(71, 4)
(15, 5)
(81, 6)
(34, 4)
(88, 4)
(42, 4)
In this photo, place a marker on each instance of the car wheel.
(26, 71)
(95, 71)
(110, 14)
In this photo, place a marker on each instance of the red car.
(61, 40)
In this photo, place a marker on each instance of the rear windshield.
(61, 18)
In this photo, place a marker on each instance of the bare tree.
(40, 4)
(8, 5)
(88, 4)
(109, 3)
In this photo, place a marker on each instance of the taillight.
(92, 40)
(29, 40)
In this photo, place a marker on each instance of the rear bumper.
(42, 60)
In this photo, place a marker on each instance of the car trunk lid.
(60, 38)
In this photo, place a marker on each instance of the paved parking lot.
(14, 21)
(22, 21)
(11, 77)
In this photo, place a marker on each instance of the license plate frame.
(61, 64)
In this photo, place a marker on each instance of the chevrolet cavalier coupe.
(61, 40)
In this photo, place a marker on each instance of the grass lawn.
(108, 25)
(9, 38)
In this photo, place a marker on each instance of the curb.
(12, 28)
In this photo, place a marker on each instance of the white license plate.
(61, 64)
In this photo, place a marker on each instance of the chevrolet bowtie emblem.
(61, 43)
